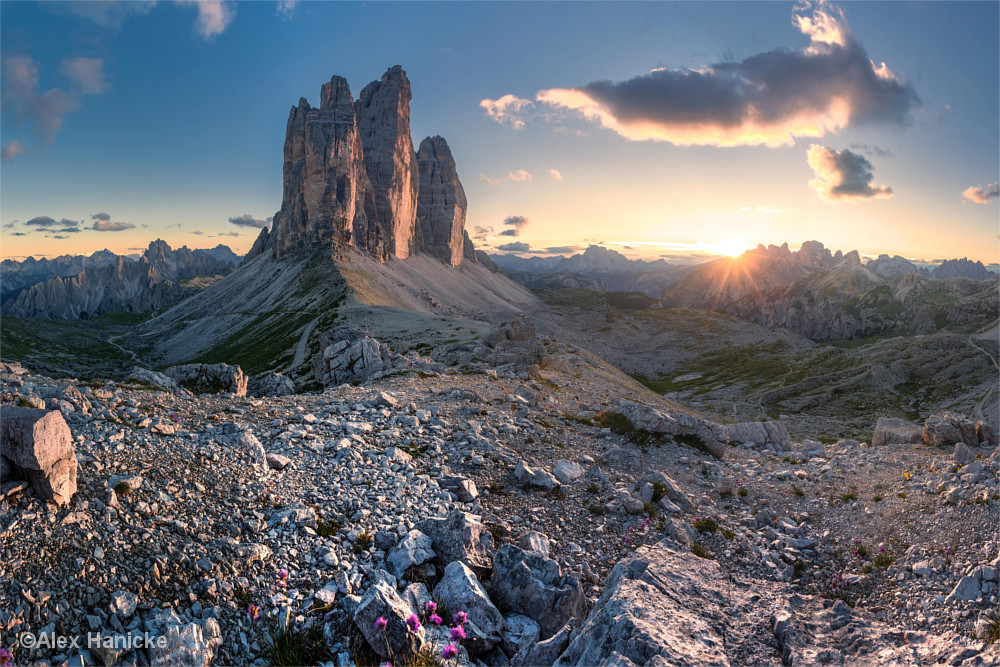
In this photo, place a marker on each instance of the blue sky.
(172, 120)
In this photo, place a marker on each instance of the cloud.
(843, 175)
(68, 230)
(58, 236)
(86, 73)
(46, 223)
(107, 226)
(43, 111)
(507, 110)
(481, 233)
(516, 221)
(871, 149)
(286, 8)
(247, 220)
(198, 232)
(12, 149)
(105, 13)
(562, 249)
(490, 181)
(100, 216)
(516, 246)
(19, 233)
(767, 99)
(229, 234)
(554, 173)
(510, 232)
(520, 175)
(981, 194)
(9, 225)
(214, 16)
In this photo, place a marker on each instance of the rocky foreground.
(572, 516)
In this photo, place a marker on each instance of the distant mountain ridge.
(114, 282)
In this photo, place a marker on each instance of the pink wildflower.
(450, 651)
(380, 623)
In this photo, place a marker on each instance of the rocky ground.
(206, 518)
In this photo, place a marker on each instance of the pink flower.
(450, 651)
(386, 664)
(460, 618)
(283, 573)
(5, 656)
(435, 619)
(413, 623)
(431, 606)
(380, 623)
(457, 633)
(253, 611)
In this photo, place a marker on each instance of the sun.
(731, 247)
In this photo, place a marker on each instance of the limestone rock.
(544, 652)
(414, 549)
(766, 435)
(39, 445)
(192, 644)
(948, 428)
(242, 440)
(349, 354)
(513, 342)
(459, 590)
(273, 384)
(963, 455)
(441, 203)
(209, 378)
(519, 632)
(383, 121)
(395, 640)
(153, 378)
(891, 431)
(533, 585)
(710, 435)
(460, 537)
(568, 472)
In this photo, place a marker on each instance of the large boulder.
(892, 431)
(414, 549)
(272, 384)
(763, 435)
(948, 428)
(395, 641)
(209, 378)
(153, 379)
(174, 642)
(242, 441)
(705, 434)
(460, 537)
(460, 590)
(38, 445)
(349, 354)
(514, 342)
(532, 585)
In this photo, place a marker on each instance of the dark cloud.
(516, 246)
(562, 250)
(982, 194)
(19, 234)
(768, 98)
(247, 220)
(71, 230)
(510, 232)
(107, 226)
(42, 221)
(100, 216)
(198, 233)
(228, 234)
(843, 175)
(481, 233)
(57, 236)
(515, 221)
(872, 150)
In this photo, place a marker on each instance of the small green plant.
(363, 541)
(848, 497)
(123, 488)
(326, 528)
(557, 493)
(797, 492)
(901, 495)
(497, 489)
(593, 488)
(728, 534)
(867, 569)
(659, 490)
(877, 498)
(799, 568)
(991, 634)
(743, 493)
(650, 509)
(701, 551)
(307, 647)
(706, 525)
(596, 509)
(883, 558)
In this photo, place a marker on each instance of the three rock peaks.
(353, 179)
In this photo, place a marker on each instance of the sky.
(675, 130)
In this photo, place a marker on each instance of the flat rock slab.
(39, 445)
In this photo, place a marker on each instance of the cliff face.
(441, 206)
(352, 179)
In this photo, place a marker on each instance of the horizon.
(105, 147)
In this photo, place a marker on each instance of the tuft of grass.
(728, 534)
(877, 498)
(596, 509)
(557, 493)
(593, 488)
(706, 525)
(797, 492)
(326, 528)
(799, 568)
(659, 490)
(699, 550)
(287, 646)
(848, 497)
(497, 489)
(883, 559)
(992, 633)
(123, 488)
(650, 509)
(743, 493)
(901, 495)
(363, 541)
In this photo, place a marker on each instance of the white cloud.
(86, 73)
(982, 194)
(843, 176)
(555, 174)
(520, 175)
(108, 226)
(507, 110)
(286, 8)
(490, 181)
(214, 16)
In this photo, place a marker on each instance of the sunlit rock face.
(352, 179)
